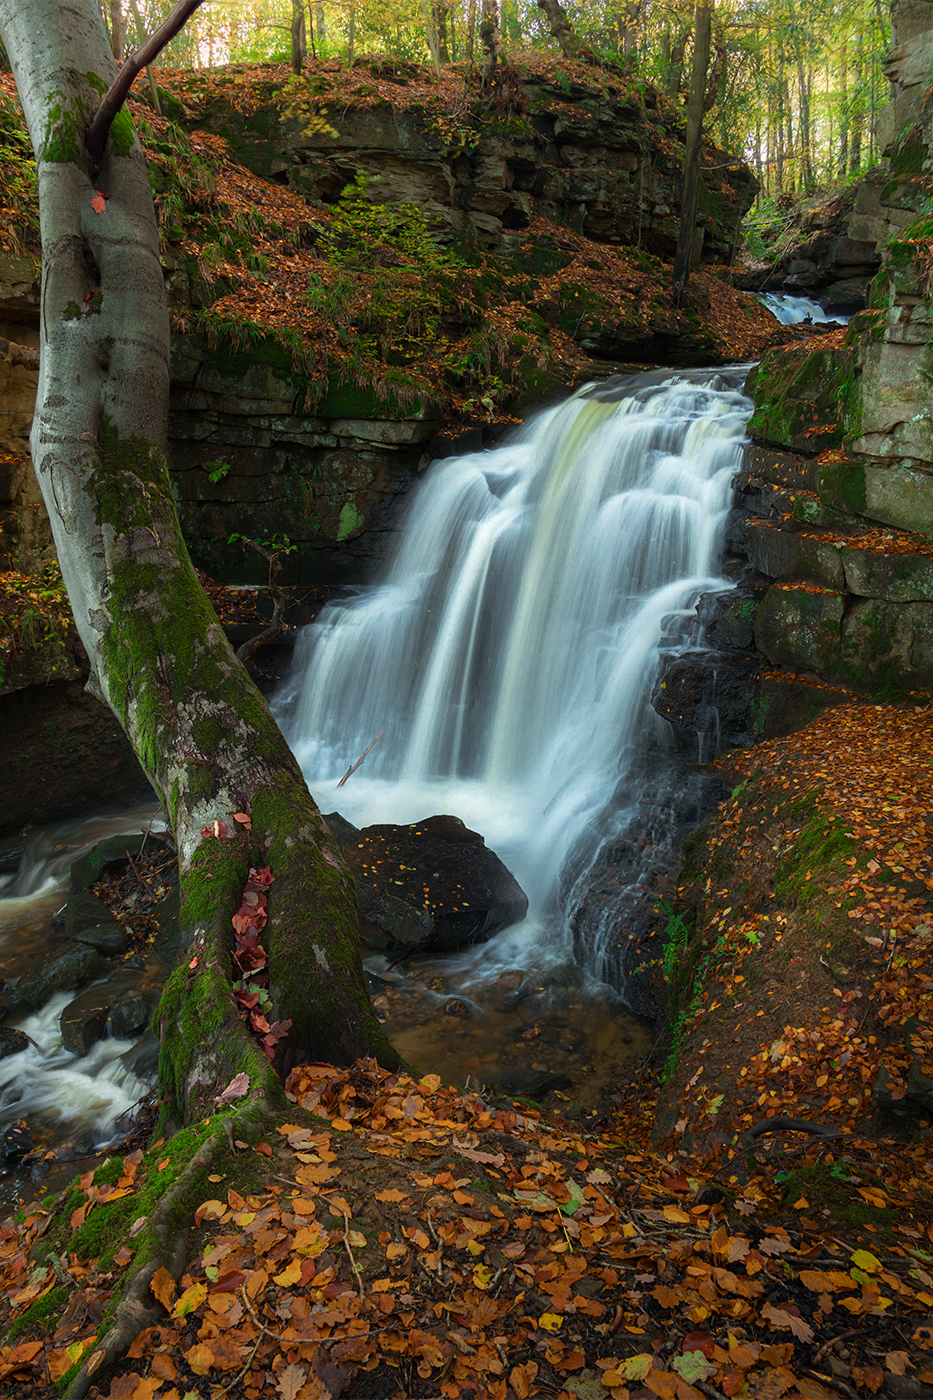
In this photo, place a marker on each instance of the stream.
(509, 655)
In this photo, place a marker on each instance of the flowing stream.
(65, 1099)
(510, 657)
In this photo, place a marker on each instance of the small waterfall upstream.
(511, 653)
(791, 310)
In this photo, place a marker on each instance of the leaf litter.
(412, 1239)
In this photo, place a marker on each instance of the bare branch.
(99, 129)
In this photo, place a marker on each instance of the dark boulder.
(84, 1020)
(88, 920)
(69, 966)
(430, 886)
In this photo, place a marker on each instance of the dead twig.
(350, 771)
(346, 1245)
(843, 1337)
(263, 1332)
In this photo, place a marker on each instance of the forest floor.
(394, 1237)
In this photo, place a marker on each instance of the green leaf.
(693, 1366)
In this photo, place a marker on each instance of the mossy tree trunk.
(160, 660)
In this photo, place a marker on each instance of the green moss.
(814, 859)
(40, 1314)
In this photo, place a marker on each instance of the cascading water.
(81, 1100)
(791, 310)
(511, 653)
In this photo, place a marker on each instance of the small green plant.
(216, 471)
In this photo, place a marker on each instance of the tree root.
(138, 1307)
(774, 1125)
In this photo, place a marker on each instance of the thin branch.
(96, 137)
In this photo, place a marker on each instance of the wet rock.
(111, 856)
(431, 886)
(88, 920)
(84, 1020)
(12, 1041)
(129, 1015)
(12, 1004)
(16, 1142)
(708, 698)
(341, 830)
(69, 966)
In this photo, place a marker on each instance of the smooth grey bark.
(159, 658)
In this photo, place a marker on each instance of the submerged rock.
(430, 886)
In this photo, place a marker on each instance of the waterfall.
(790, 310)
(511, 652)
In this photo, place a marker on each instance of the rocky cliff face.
(834, 507)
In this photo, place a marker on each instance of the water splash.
(511, 653)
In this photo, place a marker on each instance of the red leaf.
(99, 203)
(243, 819)
(193, 962)
(261, 877)
(206, 831)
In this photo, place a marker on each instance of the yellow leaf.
(551, 1322)
(676, 1216)
(864, 1260)
(636, 1368)
(163, 1286)
(192, 1298)
(475, 1248)
(482, 1276)
(802, 1204)
(289, 1275)
(357, 1241)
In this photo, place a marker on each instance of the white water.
(791, 310)
(62, 1096)
(510, 654)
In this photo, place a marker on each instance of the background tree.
(202, 732)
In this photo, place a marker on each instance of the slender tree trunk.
(688, 208)
(842, 158)
(492, 44)
(806, 158)
(431, 36)
(471, 31)
(116, 30)
(628, 19)
(320, 21)
(441, 14)
(351, 37)
(297, 35)
(202, 732)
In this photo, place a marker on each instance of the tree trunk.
(441, 13)
(431, 36)
(628, 18)
(202, 732)
(298, 36)
(806, 159)
(471, 30)
(116, 30)
(489, 36)
(688, 208)
(571, 45)
(843, 156)
(320, 23)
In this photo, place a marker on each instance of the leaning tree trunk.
(202, 732)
